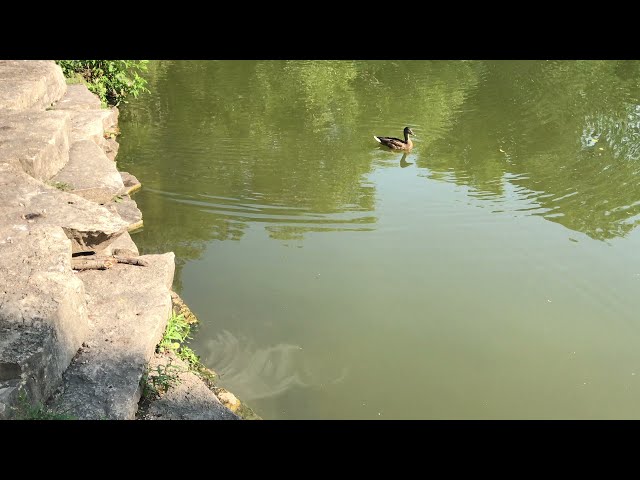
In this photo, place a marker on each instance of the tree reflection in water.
(261, 372)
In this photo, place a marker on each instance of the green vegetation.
(111, 80)
(188, 355)
(176, 334)
(65, 187)
(158, 381)
(155, 382)
(27, 411)
(75, 79)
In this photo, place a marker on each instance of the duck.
(395, 143)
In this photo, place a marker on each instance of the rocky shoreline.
(81, 312)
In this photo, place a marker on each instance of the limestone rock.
(92, 124)
(36, 142)
(78, 97)
(90, 174)
(26, 202)
(229, 400)
(129, 308)
(127, 209)
(110, 147)
(30, 84)
(43, 314)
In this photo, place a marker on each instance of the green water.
(492, 273)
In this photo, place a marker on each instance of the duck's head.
(408, 131)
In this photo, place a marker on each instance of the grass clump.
(74, 79)
(176, 334)
(158, 381)
(65, 187)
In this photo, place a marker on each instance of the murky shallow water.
(493, 272)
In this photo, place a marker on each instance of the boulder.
(27, 202)
(90, 174)
(43, 313)
(30, 84)
(129, 308)
(127, 209)
(36, 142)
(78, 97)
(92, 124)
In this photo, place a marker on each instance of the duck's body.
(395, 143)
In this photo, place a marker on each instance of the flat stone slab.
(128, 210)
(28, 202)
(30, 84)
(188, 398)
(78, 97)
(90, 174)
(92, 124)
(43, 315)
(37, 142)
(89, 119)
(129, 307)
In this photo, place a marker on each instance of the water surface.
(491, 273)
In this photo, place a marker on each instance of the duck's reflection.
(403, 161)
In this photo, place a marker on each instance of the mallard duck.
(396, 143)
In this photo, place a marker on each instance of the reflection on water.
(557, 129)
(403, 161)
(260, 372)
(513, 218)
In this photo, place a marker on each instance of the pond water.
(491, 273)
